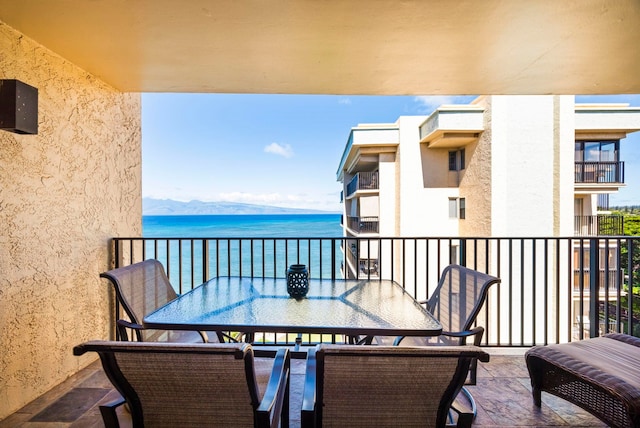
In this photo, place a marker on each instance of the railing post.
(205, 260)
(594, 287)
(333, 259)
(463, 252)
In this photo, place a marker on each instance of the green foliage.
(631, 228)
(632, 225)
(627, 210)
(631, 215)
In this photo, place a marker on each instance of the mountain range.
(152, 206)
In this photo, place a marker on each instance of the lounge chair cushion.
(601, 375)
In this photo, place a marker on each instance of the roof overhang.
(365, 145)
(452, 126)
(384, 47)
(606, 121)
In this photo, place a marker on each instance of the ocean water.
(230, 252)
(242, 226)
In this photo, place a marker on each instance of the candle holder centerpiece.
(297, 281)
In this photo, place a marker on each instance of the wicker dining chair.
(192, 385)
(386, 386)
(141, 288)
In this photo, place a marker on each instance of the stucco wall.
(475, 179)
(423, 190)
(63, 194)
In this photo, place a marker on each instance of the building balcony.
(366, 181)
(607, 283)
(601, 224)
(363, 224)
(599, 172)
(528, 308)
(452, 126)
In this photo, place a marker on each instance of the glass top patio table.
(349, 307)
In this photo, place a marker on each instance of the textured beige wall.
(475, 180)
(63, 194)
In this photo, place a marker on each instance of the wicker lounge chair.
(601, 375)
(142, 288)
(192, 385)
(385, 386)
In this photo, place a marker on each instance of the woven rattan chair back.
(458, 298)
(385, 386)
(187, 385)
(141, 288)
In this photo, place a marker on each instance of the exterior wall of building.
(564, 149)
(531, 142)
(425, 187)
(475, 181)
(388, 188)
(63, 194)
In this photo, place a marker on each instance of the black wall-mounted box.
(18, 107)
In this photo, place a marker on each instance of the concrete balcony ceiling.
(381, 47)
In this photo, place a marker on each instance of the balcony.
(532, 306)
(601, 224)
(599, 172)
(608, 283)
(452, 126)
(363, 224)
(362, 181)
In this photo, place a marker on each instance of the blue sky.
(283, 150)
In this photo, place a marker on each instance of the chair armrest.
(123, 325)
(109, 415)
(129, 324)
(308, 415)
(477, 332)
(275, 401)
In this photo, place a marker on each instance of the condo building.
(502, 166)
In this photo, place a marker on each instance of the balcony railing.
(542, 294)
(607, 282)
(359, 263)
(595, 225)
(363, 181)
(363, 224)
(599, 172)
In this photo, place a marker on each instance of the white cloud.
(330, 202)
(251, 198)
(284, 150)
(345, 101)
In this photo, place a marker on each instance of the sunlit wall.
(63, 193)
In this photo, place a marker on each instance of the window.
(456, 160)
(597, 151)
(457, 208)
(453, 165)
(453, 207)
